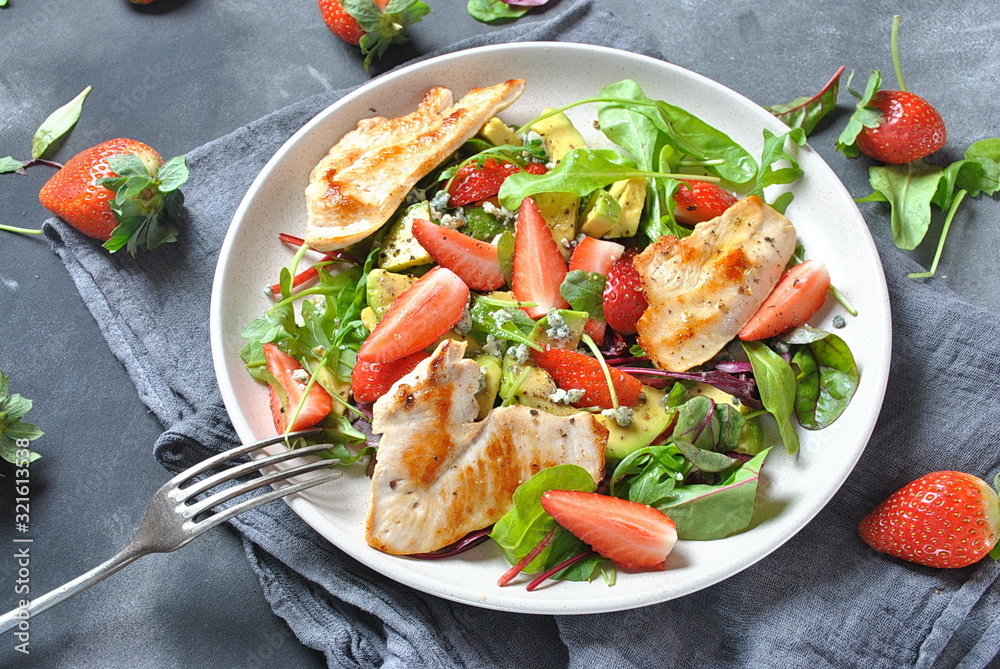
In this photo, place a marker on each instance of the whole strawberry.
(119, 192)
(943, 519)
(374, 25)
(893, 127)
(907, 128)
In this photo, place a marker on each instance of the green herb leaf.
(585, 292)
(773, 153)
(807, 112)
(580, 172)
(15, 434)
(58, 124)
(776, 383)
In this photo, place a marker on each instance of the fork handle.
(126, 556)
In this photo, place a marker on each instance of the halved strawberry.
(290, 375)
(700, 201)
(634, 536)
(475, 182)
(799, 294)
(476, 262)
(573, 370)
(539, 268)
(595, 255)
(624, 300)
(418, 317)
(371, 380)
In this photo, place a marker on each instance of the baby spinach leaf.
(628, 128)
(776, 383)
(58, 124)
(585, 292)
(527, 523)
(705, 512)
(909, 190)
(826, 382)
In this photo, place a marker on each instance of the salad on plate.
(582, 353)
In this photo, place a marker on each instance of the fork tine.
(225, 456)
(254, 502)
(190, 491)
(223, 496)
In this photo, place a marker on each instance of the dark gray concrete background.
(179, 73)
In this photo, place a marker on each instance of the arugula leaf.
(58, 124)
(776, 383)
(580, 172)
(649, 474)
(774, 151)
(495, 11)
(827, 380)
(15, 434)
(807, 112)
(864, 116)
(527, 523)
(584, 291)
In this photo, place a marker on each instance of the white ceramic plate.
(793, 490)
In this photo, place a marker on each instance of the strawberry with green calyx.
(374, 25)
(119, 192)
(943, 519)
(893, 127)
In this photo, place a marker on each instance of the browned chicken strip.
(440, 475)
(364, 178)
(704, 288)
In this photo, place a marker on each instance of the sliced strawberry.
(572, 370)
(371, 380)
(475, 182)
(595, 255)
(418, 317)
(634, 536)
(624, 301)
(474, 261)
(700, 201)
(539, 268)
(798, 295)
(290, 375)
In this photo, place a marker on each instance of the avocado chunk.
(492, 372)
(534, 390)
(559, 135)
(498, 133)
(630, 195)
(383, 288)
(650, 417)
(561, 329)
(400, 249)
(601, 216)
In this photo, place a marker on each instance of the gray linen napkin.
(824, 599)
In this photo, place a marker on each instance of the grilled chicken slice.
(354, 190)
(704, 288)
(440, 475)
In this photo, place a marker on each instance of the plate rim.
(609, 602)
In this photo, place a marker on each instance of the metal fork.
(174, 517)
